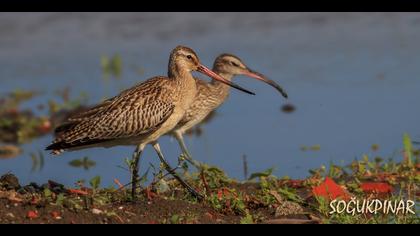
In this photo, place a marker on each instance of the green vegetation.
(111, 66)
(18, 126)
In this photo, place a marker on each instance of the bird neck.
(221, 88)
(227, 76)
(179, 73)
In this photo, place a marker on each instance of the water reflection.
(19, 126)
(288, 108)
(9, 151)
(38, 161)
(84, 163)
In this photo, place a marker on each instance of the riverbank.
(263, 198)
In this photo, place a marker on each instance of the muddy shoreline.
(30, 204)
(262, 199)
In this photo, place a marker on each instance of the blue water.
(353, 77)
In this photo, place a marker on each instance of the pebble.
(288, 208)
(96, 211)
(9, 182)
(30, 188)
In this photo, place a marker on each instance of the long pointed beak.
(210, 73)
(258, 76)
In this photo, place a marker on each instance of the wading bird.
(139, 115)
(211, 95)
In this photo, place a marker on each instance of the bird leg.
(174, 174)
(180, 138)
(134, 166)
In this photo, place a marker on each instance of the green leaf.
(247, 219)
(175, 219)
(162, 186)
(408, 148)
(290, 195)
(76, 163)
(60, 199)
(41, 160)
(316, 147)
(143, 178)
(105, 63)
(47, 193)
(95, 182)
(116, 63)
(34, 162)
(265, 173)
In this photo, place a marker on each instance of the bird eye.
(189, 57)
(234, 64)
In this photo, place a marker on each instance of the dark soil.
(141, 212)
(28, 204)
(269, 200)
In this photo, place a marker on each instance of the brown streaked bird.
(211, 95)
(139, 115)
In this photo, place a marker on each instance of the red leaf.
(32, 214)
(150, 195)
(372, 187)
(219, 194)
(55, 214)
(209, 215)
(386, 176)
(295, 183)
(34, 201)
(45, 126)
(77, 191)
(117, 182)
(330, 190)
(228, 204)
(13, 111)
(225, 192)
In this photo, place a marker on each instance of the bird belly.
(190, 121)
(166, 127)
